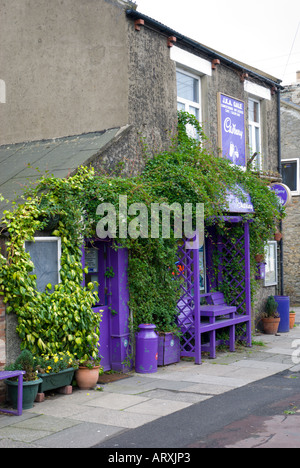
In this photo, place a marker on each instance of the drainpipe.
(280, 172)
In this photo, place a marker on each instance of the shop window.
(290, 175)
(271, 277)
(45, 253)
(254, 122)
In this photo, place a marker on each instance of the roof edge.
(202, 48)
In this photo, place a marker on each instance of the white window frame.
(252, 126)
(271, 245)
(294, 192)
(186, 102)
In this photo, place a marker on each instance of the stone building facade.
(290, 141)
(99, 67)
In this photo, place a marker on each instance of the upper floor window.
(188, 93)
(290, 175)
(189, 96)
(254, 122)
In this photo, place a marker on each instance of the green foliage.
(62, 320)
(52, 364)
(271, 307)
(25, 361)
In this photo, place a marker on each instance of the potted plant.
(292, 318)
(31, 381)
(88, 372)
(55, 370)
(259, 258)
(271, 317)
(277, 236)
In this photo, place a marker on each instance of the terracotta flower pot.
(87, 378)
(292, 319)
(259, 258)
(271, 325)
(278, 236)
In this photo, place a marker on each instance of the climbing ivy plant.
(61, 319)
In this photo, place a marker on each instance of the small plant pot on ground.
(87, 378)
(271, 325)
(292, 319)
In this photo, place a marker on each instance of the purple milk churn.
(146, 351)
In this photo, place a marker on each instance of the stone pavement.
(88, 418)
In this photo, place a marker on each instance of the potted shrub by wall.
(31, 381)
(88, 373)
(56, 370)
(271, 317)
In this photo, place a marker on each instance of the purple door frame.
(114, 296)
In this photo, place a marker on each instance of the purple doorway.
(108, 267)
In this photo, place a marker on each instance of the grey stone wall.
(290, 145)
(291, 239)
(152, 105)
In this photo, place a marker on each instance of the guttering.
(281, 247)
(199, 47)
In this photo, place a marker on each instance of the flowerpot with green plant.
(88, 373)
(271, 317)
(31, 381)
(55, 370)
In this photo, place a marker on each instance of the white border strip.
(190, 61)
(257, 90)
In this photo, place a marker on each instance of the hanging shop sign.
(283, 193)
(231, 117)
(239, 203)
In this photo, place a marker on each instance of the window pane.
(257, 140)
(253, 110)
(194, 111)
(250, 139)
(187, 87)
(271, 264)
(289, 175)
(180, 106)
(256, 112)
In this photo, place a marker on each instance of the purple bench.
(215, 315)
(219, 315)
(8, 375)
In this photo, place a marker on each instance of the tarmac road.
(263, 414)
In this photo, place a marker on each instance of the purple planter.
(146, 351)
(260, 271)
(168, 349)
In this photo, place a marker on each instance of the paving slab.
(158, 407)
(188, 397)
(80, 436)
(109, 417)
(116, 401)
